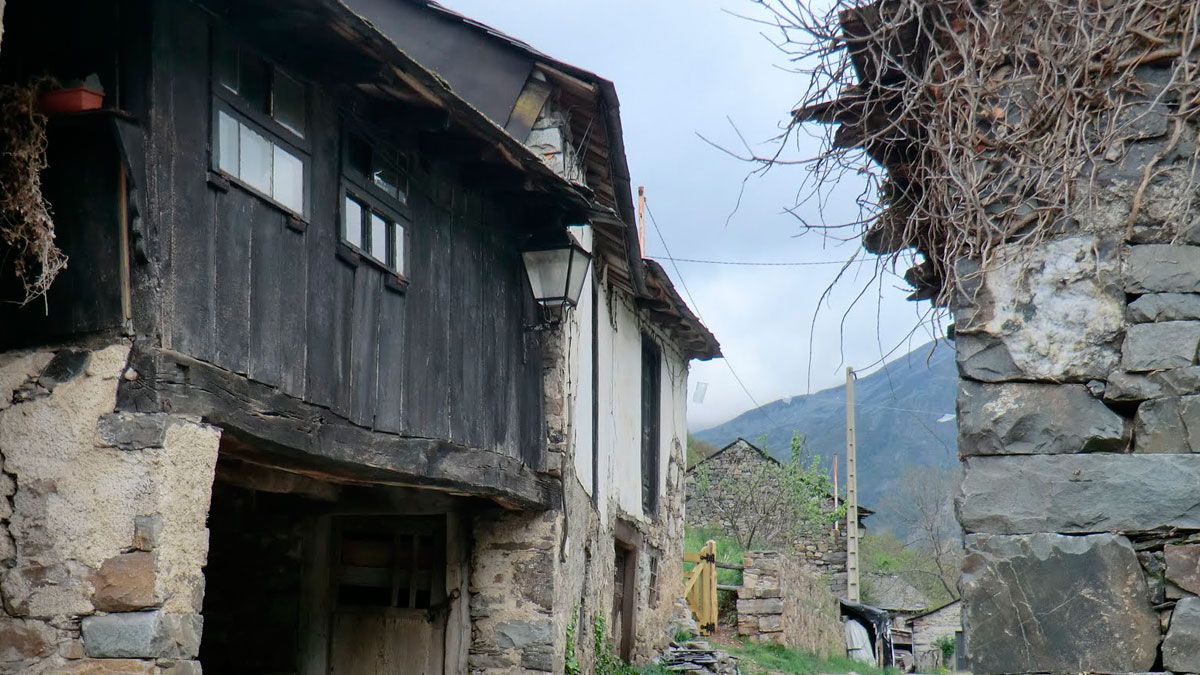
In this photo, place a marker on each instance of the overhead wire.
(696, 309)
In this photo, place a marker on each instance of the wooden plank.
(364, 344)
(266, 291)
(390, 385)
(180, 136)
(232, 228)
(324, 308)
(293, 310)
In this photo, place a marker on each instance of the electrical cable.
(696, 309)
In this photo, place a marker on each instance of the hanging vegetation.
(26, 225)
(986, 126)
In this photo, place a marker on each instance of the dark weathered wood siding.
(447, 358)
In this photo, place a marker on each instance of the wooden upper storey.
(206, 211)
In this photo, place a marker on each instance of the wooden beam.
(287, 432)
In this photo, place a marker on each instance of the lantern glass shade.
(556, 275)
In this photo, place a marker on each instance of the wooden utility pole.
(852, 579)
(641, 223)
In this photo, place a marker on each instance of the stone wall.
(781, 601)
(1077, 410)
(534, 575)
(102, 525)
(927, 629)
(823, 552)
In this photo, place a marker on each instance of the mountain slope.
(898, 410)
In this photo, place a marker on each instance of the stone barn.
(823, 552)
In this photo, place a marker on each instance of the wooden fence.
(700, 586)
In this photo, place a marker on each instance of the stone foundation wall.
(781, 601)
(102, 524)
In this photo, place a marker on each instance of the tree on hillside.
(771, 503)
(924, 503)
(698, 450)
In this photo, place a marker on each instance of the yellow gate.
(700, 588)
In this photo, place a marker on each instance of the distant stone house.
(931, 627)
(824, 552)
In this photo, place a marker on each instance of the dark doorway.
(624, 597)
(253, 581)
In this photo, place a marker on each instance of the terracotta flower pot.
(76, 99)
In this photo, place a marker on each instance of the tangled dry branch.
(26, 225)
(992, 120)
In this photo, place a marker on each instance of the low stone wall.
(102, 520)
(782, 602)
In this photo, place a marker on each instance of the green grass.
(764, 658)
(728, 551)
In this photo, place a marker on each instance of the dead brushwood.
(26, 225)
(982, 124)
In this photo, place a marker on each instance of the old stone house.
(823, 552)
(312, 395)
(930, 628)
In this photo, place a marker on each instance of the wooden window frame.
(651, 424)
(237, 107)
(363, 190)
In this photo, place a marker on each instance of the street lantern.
(556, 275)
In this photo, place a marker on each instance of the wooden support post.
(852, 578)
(641, 223)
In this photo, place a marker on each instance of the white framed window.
(260, 118)
(375, 211)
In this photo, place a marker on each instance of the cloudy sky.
(685, 70)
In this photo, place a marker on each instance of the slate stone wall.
(1079, 409)
(781, 601)
(102, 520)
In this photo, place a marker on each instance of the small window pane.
(288, 180)
(397, 261)
(225, 62)
(227, 144)
(287, 98)
(387, 177)
(352, 219)
(378, 243)
(254, 77)
(255, 160)
(358, 155)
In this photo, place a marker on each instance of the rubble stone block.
(1159, 346)
(761, 606)
(1162, 268)
(125, 582)
(521, 634)
(1165, 307)
(108, 667)
(1168, 425)
(1025, 419)
(1181, 648)
(133, 431)
(1096, 492)
(36, 590)
(21, 640)
(1055, 603)
(1183, 565)
(986, 359)
(142, 635)
(147, 532)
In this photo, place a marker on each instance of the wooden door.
(389, 611)
(397, 641)
(624, 597)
